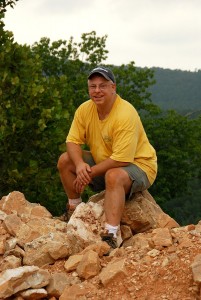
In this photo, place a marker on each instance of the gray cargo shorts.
(137, 175)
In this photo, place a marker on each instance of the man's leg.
(67, 174)
(118, 184)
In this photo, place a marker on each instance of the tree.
(177, 143)
(5, 3)
(34, 122)
(92, 48)
(133, 83)
(40, 88)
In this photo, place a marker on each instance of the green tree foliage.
(177, 141)
(92, 48)
(5, 3)
(186, 208)
(40, 88)
(34, 122)
(133, 83)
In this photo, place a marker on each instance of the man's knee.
(63, 161)
(115, 176)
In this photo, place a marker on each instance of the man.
(121, 160)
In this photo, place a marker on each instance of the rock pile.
(42, 257)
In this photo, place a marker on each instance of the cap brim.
(99, 72)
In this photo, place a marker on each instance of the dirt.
(162, 274)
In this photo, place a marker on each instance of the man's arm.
(82, 168)
(102, 167)
(75, 153)
(84, 172)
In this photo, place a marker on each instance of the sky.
(152, 33)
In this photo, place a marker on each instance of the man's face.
(101, 91)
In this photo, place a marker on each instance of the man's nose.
(97, 87)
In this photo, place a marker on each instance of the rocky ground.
(152, 274)
(159, 263)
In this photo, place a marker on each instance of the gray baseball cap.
(105, 72)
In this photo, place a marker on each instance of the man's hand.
(78, 186)
(83, 171)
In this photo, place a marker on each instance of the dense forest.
(178, 90)
(42, 85)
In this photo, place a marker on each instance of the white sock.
(73, 203)
(112, 229)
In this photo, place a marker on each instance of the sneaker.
(66, 216)
(110, 240)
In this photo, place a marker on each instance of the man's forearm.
(75, 152)
(102, 167)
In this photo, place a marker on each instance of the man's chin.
(98, 100)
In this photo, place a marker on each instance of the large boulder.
(141, 212)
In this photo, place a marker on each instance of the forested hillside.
(176, 89)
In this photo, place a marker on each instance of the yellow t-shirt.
(120, 136)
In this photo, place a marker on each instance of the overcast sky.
(153, 33)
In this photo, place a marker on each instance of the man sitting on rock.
(121, 160)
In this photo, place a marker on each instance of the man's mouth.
(98, 97)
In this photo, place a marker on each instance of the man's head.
(102, 86)
(105, 72)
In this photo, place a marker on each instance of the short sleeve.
(77, 132)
